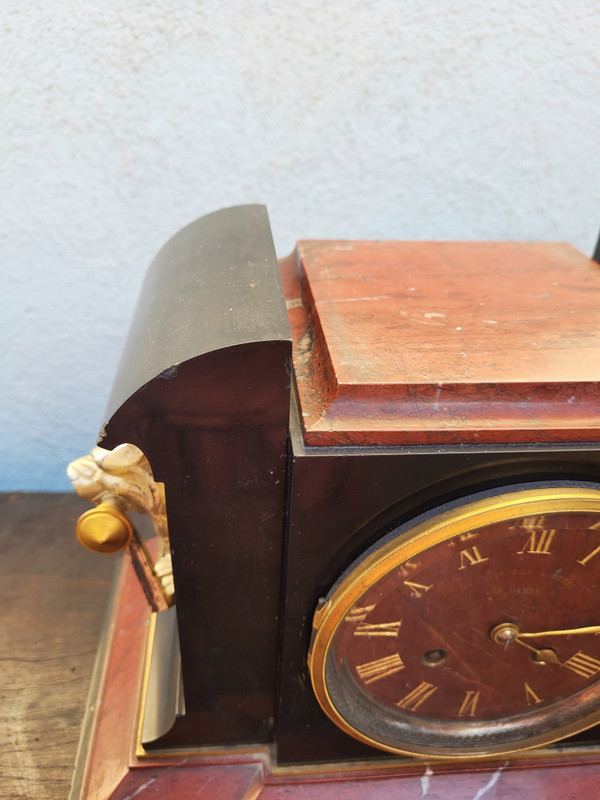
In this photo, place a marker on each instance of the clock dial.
(474, 632)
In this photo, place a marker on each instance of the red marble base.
(409, 343)
(112, 769)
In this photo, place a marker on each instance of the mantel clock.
(373, 469)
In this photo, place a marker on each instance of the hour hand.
(508, 632)
(544, 655)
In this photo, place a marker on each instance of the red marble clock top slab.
(444, 342)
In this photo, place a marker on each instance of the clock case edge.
(203, 390)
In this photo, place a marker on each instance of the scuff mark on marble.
(434, 314)
(425, 781)
(141, 788)
(491, 783)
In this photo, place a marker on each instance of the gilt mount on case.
(335, 433)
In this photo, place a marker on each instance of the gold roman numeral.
(381, 668)
(464, 537)
(530, 696)
(532, 523)
(417, 588)
(357, 614)
(470, 557)
(538, 542)
(589, 556)
(584, 561)
(583, 665)
(414, 699)
(407, 568)
(378, 628)
(469, 704)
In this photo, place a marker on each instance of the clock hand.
(543, 656)
(508, 632)
(564, 632)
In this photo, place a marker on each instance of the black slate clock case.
(262, 526)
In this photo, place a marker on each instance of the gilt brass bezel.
(408, 544)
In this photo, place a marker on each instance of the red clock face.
(472, 638)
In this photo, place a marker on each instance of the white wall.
(123, 121)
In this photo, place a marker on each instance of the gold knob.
(104, 529)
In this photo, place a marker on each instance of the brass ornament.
(104, 529)
(120, 481)
(125, 473)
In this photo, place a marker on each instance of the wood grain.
(399, 343)
(53, 596)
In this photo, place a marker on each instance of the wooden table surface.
(53, 598)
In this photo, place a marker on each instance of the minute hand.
(563, 632)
